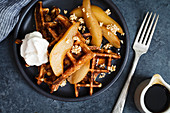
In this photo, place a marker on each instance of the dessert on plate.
(70, 49)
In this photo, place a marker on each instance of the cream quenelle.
(34, 49)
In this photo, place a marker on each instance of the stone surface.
(16, 95)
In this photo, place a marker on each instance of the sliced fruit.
(92, 23)
(100, 15)
(79, 74)
(111, 37)
(59, 51)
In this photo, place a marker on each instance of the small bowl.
(143, 88)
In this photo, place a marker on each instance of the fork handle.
(122, 97)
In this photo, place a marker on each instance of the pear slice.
(100, 15)
(79, 74)
(59, 51)
(111, 37)
(92, 23)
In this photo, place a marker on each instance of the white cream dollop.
(34, 49)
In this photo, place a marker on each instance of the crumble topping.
(83, 9)
(73, 17)
(87, 14)
(108, 12)
(122, 34)
(65, 11)
(81, 20)
(102, 75)
(80, 27)
(101, 24)
(76, 49)
(102, 66)
(84, 28)
(112, 28)
(111, 68)
(63, 83)
(87, 41)
(121, 41)
(107, 46)
(76, 38)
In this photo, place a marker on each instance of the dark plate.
(26, 25)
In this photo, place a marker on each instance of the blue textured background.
(16, 95)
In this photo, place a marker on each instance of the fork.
(140, 46)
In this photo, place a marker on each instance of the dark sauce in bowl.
(157, 98)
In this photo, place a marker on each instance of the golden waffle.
(46, 22)
(52, 26)
(76, 63)
(103, 56)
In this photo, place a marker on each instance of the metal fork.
(140, 46)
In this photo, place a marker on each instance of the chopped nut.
(76, 38)
(78, 6)
(84, 28)
(65, 11)
(122, 34)
(102, 66)
(73, 17)
(87, 41)
(108, 12)
(112, 28)
(121, 41)
(107, 46)
(76, 49)
(102, 75)
(81, 20)
(112, 68)
(87, 14)
(80, 27)
(83, 9)
(101, 24)
(63, 83)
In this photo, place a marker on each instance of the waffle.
(46, 22)
(104, 57)
(53, 25)
(76, 62)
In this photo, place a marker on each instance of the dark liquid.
(157, 98)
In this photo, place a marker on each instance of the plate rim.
(74, 99)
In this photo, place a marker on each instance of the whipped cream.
(34, 49)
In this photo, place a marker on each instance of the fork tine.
(147, 34)
(141, 27)
(144, 31)
(153, 29)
